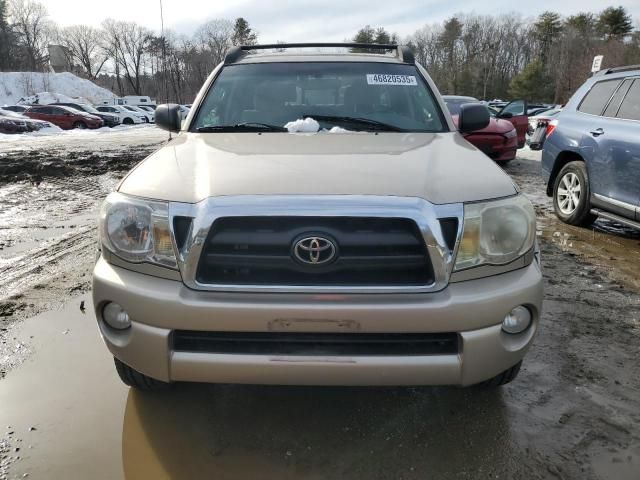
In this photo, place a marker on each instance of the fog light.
(517, 320)
(116, 316)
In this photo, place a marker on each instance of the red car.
(64, 117)
(502, 137)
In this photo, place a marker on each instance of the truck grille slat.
(307, 343)
(259, 251)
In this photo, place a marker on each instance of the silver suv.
(318, 220)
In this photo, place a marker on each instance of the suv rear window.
(630, 108)
(600, 93)
(278, 93)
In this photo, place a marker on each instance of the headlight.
(137, 230)
(496, 232)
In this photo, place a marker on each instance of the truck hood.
(438, 167)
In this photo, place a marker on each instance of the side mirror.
(505, 115)
(168, 117)
(472, 117)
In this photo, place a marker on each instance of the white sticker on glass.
(388, 79)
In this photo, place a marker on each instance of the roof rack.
(404, 53)
(627, 68)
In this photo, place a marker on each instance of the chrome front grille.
(384, 244)
(365, 251)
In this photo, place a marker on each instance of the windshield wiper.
(242, 127)
(366, 122)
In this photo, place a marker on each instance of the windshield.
(454, 103)
(89, 108)
(353, 96)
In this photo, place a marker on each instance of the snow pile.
(308, 125)
(23, 87)
(50, 129)
(45, 98)
(145, 131)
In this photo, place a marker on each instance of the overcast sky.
(307, 20)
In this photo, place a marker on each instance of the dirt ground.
(572, 413)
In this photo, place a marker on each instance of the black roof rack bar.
(404, 53)
(626, 68)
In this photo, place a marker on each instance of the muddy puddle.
(612, 248)
(50, 191)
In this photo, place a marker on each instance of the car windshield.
(454, 103)
(88, 108)
(354, 96)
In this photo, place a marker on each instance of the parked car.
(498, 140)
(537, 129)
(64, 117)
(184, 111)
(148, 108)
(536, 109)
(9, 124)
(127, 117)
(109, 119)
(516, 113)
(16, 108)
(144, 115)
(376, 248)
(544, 116)
(32, 125)
(591, 156)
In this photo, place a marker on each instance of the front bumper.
(498, 147)
(473, 309)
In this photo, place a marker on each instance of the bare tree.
(84, 45)
(215, 36)
(30, 22)
(127, 44)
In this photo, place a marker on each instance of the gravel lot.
(572, 413)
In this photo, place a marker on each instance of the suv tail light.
(551, 126)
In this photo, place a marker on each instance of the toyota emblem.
(315, 250)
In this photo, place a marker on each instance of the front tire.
(138, 380)
(127, 121)
(503, 378)
(80, 125)
(571, 195)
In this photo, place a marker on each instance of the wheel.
(80, 125)
(503, 378)
(127, 121)
(138, 380)
(571, 195)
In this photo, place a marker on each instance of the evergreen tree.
(448, 42)
(614, 22)
(583, 23)
(532, 84)
(243, 34)
(365, 35)
(382, 36)
(548, 28)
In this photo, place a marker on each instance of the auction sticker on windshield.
(388, 79)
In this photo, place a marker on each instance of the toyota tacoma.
(318, 219)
